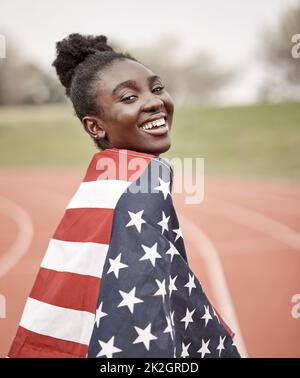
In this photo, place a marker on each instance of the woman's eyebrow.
(133, 83)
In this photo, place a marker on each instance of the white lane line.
(205, 248)
(24, 237)
(256, 221)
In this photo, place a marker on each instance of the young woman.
(115, 280)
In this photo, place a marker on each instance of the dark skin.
(125, 110)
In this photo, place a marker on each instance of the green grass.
(261, 140)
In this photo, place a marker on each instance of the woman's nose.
(152, 102)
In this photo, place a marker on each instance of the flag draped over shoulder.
(115, 280)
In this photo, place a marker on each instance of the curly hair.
(78, 63)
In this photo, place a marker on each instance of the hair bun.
(73, 50)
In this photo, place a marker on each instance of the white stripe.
(59, 322)
(74, 257)
(98, 194)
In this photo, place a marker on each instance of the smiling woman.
(115, 279)
(116, 97)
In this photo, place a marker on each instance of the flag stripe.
(44, 346)
(67, 290)
(58, 322)
(75, 257)
(114, 164)
(225, 325)
(93, 194)
(85, 225)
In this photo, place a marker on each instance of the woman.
(115, 280)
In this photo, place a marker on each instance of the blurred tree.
(23, 82)
(282, 67)
(190, 80)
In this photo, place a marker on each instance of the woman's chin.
(160, 146)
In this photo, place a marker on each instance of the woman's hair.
(78, 63)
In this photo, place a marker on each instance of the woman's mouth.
(157, 127)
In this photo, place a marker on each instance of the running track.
(242, 241)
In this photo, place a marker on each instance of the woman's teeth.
(156, 123)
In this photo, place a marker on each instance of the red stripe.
(85, 225)
(114, 164)
(64, 289)
(225, 325)
(31, 344)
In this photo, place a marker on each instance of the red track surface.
(252, 227)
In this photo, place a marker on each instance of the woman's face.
(130, 97)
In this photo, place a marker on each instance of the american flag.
(115, 280)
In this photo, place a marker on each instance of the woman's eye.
(158, 89)
(128, 98)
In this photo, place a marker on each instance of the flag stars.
(161, 288)
(207, 315)
(116, 265)
(172, 251)
(221, 345)
(184, 352)
(172, 286)
(164, 187)
(150, 254)
(178, 233)
(204, 348)
(108, 349)
(136, 220)
(188, 318)
(164, 222)
(99, 314)
(216, 315)
(190, 284)
(169, 328)
(144, 336)
(172, 318)
(129, 299)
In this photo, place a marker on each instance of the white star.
(99, 314)
(188, 318)
(129, 299)
(163, 187)
(216, 315)
(184, 352)
(136, 220)
(108, 348)
(172, 318)
(191, 283)
(207, 315)
(164, 222)
(144, 336)
(172, 251)
(221, 345)
(151, 254)
(204, 348)
(116, 265)
(172, 286)
(178, 233)
(169, 328)
(161, 288)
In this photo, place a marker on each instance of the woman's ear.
(94, 127)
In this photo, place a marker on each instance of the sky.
(230, 30)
